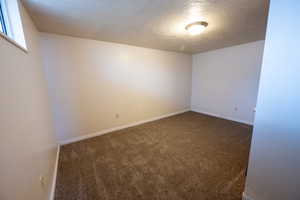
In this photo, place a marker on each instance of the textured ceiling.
(157, 24)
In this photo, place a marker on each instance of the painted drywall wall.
(99, 85)
(225, 81)
(274, 159)
(27, 139)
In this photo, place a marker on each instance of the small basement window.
(3, 26)
(11, 27)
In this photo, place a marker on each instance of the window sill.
(13, 42)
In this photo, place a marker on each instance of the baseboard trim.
(105, 131)
(246, 197)
(222, 117)
(52, 192)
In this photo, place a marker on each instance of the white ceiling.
(157, 24)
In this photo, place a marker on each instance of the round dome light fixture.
(196, 27)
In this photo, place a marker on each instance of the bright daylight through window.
(2, 27)
(10, 23)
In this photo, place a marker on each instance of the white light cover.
(195, 29)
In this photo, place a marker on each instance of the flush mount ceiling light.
(196, 27)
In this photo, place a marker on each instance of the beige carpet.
(185, 157)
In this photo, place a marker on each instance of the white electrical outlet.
(42, 181)
(236, 109)
(117, 115)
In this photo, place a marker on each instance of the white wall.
(274, 168)
(27, 139)
(92, 81)
(227, 79)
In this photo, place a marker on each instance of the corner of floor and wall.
(225, 81)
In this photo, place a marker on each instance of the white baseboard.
(76, 139)
(52, 192)
(246, 197)
(222, 117)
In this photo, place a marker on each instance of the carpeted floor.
(185, 157)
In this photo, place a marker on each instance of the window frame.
(3, 24)
(11, 26)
